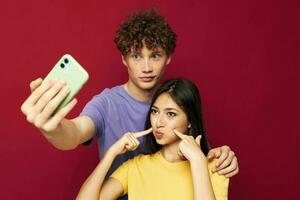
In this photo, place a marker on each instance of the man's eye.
(136, 56)
(156, 56)
(171, 114)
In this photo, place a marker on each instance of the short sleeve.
(121, 174)
(97, 109)
(220, 183)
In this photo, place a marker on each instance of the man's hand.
(43, 101)
(227, 162)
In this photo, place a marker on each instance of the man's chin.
(147, 85)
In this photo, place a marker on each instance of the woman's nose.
(159, 121)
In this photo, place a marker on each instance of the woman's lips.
(158, 135)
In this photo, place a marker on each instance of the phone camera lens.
(62, 65)
(66, 61)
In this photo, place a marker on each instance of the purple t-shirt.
(114, 112)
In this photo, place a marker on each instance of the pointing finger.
(142, 133)
(180, 135)
(198, 138)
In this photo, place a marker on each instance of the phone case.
(69, 70)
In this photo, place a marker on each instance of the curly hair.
(145, 27)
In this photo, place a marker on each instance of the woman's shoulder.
(212, 163)
(214, 175)
(220, 183)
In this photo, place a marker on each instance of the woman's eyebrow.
(168, 109)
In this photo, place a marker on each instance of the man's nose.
(147, 67)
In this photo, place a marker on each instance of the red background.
(243, 55)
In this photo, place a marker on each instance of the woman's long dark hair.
(186, 95)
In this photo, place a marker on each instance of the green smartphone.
(70, 71)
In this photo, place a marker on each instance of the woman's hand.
(190, 147)
(128, 142)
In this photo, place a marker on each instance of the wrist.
(112, 153)
(58, 130)
(199, 160)
(200, 166)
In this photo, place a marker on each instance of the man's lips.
(147, 78)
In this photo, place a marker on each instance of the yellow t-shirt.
(154, 178)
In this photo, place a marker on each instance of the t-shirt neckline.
(122, 89)
(172, 165)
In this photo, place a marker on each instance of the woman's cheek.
(180, 126)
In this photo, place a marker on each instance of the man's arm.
(71, 133)
(39, 107)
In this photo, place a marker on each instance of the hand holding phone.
(54, 94)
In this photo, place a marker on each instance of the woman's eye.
(153, 111)
(171, 114)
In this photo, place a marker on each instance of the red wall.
(243, 55)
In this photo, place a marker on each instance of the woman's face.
(166, 116)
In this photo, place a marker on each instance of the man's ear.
(124, 61)
(169, 60)
(189, 126)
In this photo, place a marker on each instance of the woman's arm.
(190, 149)
(201, 179)
(91, 187)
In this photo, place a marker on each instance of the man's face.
(146, 67)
